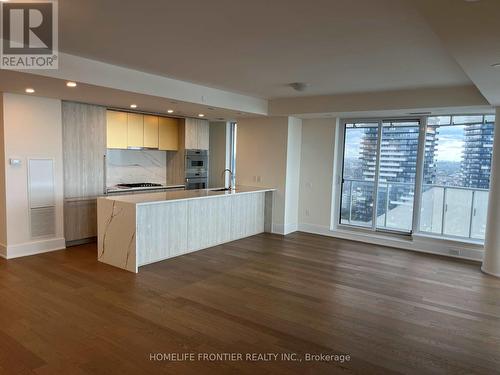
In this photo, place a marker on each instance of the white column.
(491, 261)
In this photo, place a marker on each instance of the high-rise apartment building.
(476, 157)
(398, 154)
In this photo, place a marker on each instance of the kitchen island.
(135, 230)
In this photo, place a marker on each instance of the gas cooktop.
(139, 185)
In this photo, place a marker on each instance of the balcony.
(446, 211)
(454, 211)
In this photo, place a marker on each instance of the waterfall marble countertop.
(179, 195)
(139, 229)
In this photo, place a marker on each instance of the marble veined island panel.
(146, 228)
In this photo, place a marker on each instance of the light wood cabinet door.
(151, 131)
(84, 147)
(197, 134)
(203, 134)
(135, 130)
(191, 134)
(168, 134)
(80, 219)
(116, 129)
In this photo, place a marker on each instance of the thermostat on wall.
(15, 162)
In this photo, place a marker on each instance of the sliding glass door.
(379, 174)
(358, 183)
(399, 176)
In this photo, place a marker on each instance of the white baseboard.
(417, 243)
(285, 229)
(278, 229)
(35, 247)
(490, 273)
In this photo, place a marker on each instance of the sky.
(450, 143)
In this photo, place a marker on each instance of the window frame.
(338, 175)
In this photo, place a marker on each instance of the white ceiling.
(470, 32)
(256, 47)
(49, 87)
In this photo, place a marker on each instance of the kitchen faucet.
(231, 187)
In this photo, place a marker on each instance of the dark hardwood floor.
(391, 311)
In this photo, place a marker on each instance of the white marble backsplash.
(131, 166)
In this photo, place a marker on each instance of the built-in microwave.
(196, 162)
(196, 169)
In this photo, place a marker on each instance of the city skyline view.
(457, 163)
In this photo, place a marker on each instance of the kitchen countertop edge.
(133, 199)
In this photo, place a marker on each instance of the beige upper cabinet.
(135, 130)
(116, 129)
(197, 134)
(151, 131)
(168, 134)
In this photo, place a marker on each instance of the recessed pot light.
(133, 105)
(71, 84)
(170, 111)
(29, 90)
(201, 115)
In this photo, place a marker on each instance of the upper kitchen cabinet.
(135, 130)
(196, 134)
(168, 134)
(116, 129)
(151, 131)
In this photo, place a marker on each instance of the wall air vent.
(41, 190)
(43, 222)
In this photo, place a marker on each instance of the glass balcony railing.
(445, 211)
(394, 204)
(454, 211)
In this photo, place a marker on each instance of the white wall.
(261, 159)
(3, 202)
(217, 154)
(268, 155)
(293, 166)
(316, 177)
(32, 128)
(491, 264)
